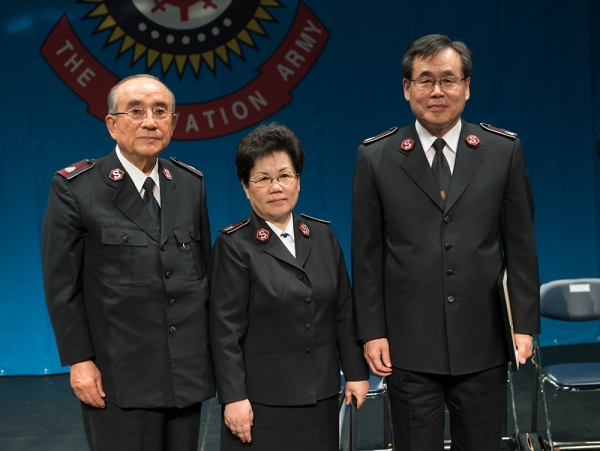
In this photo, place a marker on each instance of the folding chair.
(566, 300)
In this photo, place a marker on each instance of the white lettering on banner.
(579, 288)
(239, 109)
(305, 42)
(191, 123)
(86, 74)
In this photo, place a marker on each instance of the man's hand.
(357, 388)
(377, 354)
(86, 382)
(524, 346)
(239, 419)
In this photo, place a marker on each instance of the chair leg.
(542, 389)
(512, 401)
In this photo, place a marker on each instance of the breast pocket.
(188, 243)
(127, 260)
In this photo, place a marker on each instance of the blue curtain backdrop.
(536, 72)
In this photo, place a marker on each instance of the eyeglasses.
(137, 114)
(285, 178)
(446, 83)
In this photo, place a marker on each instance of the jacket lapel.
(128, 200)
(303, 243)
(466, 165)
(169, 203)
(274, 246)
(417, 167)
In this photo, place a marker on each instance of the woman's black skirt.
(295, 428)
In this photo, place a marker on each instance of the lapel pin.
(304, 230)
(263, 235)
(473, 140)
(167, 174)
(116, 174)
(407, 145)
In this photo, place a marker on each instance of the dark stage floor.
(39, 413)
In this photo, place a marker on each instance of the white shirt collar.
(451, 137)
(290, 239)
(138, 177)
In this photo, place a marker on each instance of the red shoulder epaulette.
(75, 169)
(187, 166)
(372, 139)
(233, 227)
(499, 131)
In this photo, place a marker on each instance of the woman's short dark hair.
(431, 45)
(263, 141)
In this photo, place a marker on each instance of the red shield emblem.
(407, 145)
(473, 140)
(304, 230)
(263, 235)
(116, 174)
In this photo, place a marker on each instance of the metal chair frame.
(584, 306)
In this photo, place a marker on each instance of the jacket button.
(172, 329)
(448, 246)
(307, 350)
(125, 238)
(191, 235)
(163, 247)
(447, 219)
(308, 300)
(171, 301)
(307, 326)
(450, 299)
(449, 272)
(168, 274)
(300, 276)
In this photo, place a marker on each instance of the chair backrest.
(571, 299)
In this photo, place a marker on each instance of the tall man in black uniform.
(435, 205)
(125, 241)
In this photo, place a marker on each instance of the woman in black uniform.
(281, 315)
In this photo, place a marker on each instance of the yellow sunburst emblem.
(181, 33)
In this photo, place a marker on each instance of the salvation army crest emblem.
(268, 45)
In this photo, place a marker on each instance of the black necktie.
(150, 200)
(441, 168)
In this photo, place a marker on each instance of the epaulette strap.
(187, 166)
(75, 169)
(499, 131)
(304, 215)
(389, 132)
(233, 227)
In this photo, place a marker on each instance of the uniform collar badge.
(167, 174)
(407, 145)
(304, 230)
(116, 174)
(472, 140)
(263, 235)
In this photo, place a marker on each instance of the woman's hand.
(239, 418)
(359, 389)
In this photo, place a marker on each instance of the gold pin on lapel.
(443, 194)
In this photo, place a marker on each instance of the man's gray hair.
(112, 95)
(432, 45)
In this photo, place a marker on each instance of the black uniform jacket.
(125, 294)
(281, 325)
(425, 274)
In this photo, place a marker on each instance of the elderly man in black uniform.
(125, 242)
(436, 207)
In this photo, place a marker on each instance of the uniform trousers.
(161, 429)
(312, 427)
(476, 403)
